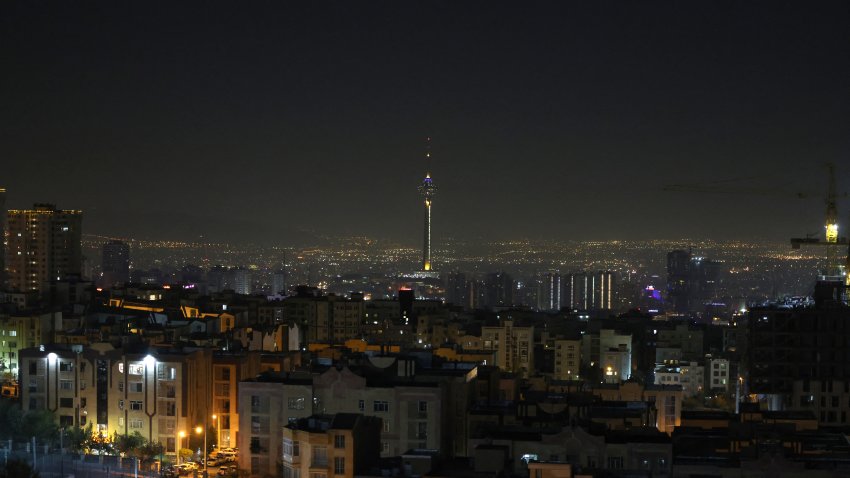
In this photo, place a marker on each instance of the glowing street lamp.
(204, 454)
(217, 421)
(182, 435)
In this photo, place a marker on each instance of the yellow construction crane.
(834, 271)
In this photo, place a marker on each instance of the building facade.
(43, 245)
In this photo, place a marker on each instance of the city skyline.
(279, 124)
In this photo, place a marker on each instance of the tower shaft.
(426, 243)
(427, 190)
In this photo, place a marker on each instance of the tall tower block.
(2, 238)
(427, 190)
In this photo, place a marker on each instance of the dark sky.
(562, 120)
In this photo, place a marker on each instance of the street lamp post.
(217, 420)
(181, 434)
(204, 454)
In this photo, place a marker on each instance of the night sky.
(271, 121)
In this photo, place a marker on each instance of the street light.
(182, 435)
(217, 421)
(204, 454)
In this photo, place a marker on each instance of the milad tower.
(427, 190)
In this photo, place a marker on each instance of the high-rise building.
(589, 290)
(279, 282)
(2, 238)
(116, 263)
(457, 290)
(498, 290)
(427, 190)
(549, 297)
(43, 245)
(679, 280)
(242, 279)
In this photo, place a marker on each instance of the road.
(53, 466)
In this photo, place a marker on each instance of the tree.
(40, 424)
(185, 453)
(149, 452)
(18, 469)
(11, 418)
(79, 439)
(129, 445)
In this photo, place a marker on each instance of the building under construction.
(792, 350)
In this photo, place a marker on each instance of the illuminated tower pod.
(427, 190)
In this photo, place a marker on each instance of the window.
(296, 403)
(255, 424)
(361, 405)
(136, 369)
(290, 472)
(135, 423)
(135, 405)
(136, 387)
(381, 406)
(66, 385)
(164, 372)
(320, 456)
(120, 385)
(339, 441)
(13, 333)
(386, 425)
(33, 368)
(66, 366)
(615, 462)
(339, 465)
(255, 404)
(423, 407)
(66, 402)
(120, 404)
(290, 447)
(385, 447)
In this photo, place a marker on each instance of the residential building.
(62, 380)
(514, 346)
(116, 264)
(228, 369)
(567, 359)
(157, 393)
(43, 245)
(266, 404)
(608, 351)
(330, 319)
(341, 445)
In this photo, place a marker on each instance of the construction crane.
(835, 271)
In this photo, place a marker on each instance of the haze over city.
(277, 123)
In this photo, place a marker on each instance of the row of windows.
(134, 422)
(134, 405)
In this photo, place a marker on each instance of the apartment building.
(567, 359)
(42, 245)
(339, 445)
(228, 369)
(158, 394)
(514, 347)
(60, 379)
(267, 403)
